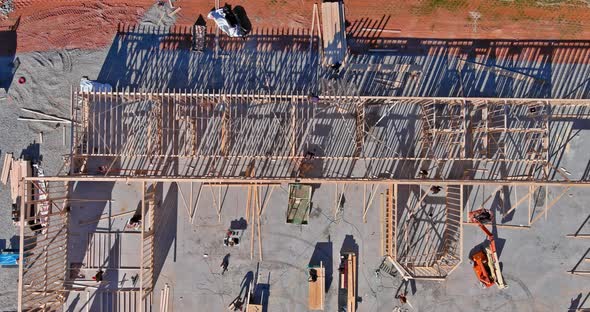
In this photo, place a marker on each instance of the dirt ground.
(70, 24)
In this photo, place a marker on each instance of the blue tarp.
(8, 258)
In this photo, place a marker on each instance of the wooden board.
(351, 264)
(317, 290)
(334, 32)
(6, 167)
(20, 169)
(254, 308)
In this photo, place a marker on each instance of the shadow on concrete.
(323, 252)
(245, 284)
(261, 293)
(32, 153)
(10, 244)
(165, 227)
(239, 224)
(577, 304)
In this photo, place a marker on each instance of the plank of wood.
(174, 12)
(34, 111)
(42, 120)
(351, 285)
(334, 33)
(316, 290)
(6, 167)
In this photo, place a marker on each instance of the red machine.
(485, 262)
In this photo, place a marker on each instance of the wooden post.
(258, 225)
(142, 238)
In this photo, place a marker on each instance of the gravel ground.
(49, 76)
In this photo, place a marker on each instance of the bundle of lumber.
(334, 33)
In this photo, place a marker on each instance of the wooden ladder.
(360, 128)
(496, 119)
(428, 117)
(390, 222)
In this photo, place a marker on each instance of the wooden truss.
(212, 134)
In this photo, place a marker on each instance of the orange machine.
(485, 262)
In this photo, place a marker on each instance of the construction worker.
(98, 276)
(402, 298)
(224, 264)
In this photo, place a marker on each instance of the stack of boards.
(334, 33)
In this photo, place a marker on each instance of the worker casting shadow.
(245, 285)
(323, 253)
(403, 288)
(578, 303)
(32, 153)
(166, 226)
(261, 293)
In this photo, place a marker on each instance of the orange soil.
(91, 24)
(58, 24)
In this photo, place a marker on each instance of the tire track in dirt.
(73, 24)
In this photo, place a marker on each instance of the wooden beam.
(394, 215)
(141, 290)
(374, 190)
(578, 235)
(417, 99)
(267, 200)
(507, 226)
(226, 130)
(239, 179)
(186, 206)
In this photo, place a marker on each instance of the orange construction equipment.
(485, 262)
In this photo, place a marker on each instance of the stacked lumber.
(6, 167)
(334, 33)
(317, 289)
(15, 171)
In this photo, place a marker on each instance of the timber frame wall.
(43, 245)
(182, 136)
(218, 135)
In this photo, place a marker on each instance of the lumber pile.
(14, 170)
(347, 289)
(347, 278)
(334, 33)
(317, 287)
